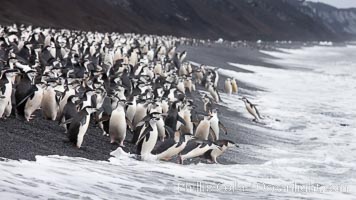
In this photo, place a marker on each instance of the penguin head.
(11, 73)
(187, 136)
(73, 99)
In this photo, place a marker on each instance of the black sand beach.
(24, 140)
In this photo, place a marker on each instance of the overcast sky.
(339, 3)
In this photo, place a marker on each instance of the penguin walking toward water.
(172, 147)
(118, 125)
(228, 86)
(252, 109)
(50, 102)
(147, 139)
(212, 154)
(196, 148)
(214, 92)
(79, 126)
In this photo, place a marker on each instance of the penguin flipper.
(25, 99)
(212, 134)
(146, 131)
(66, 122)
(223, 127)
(104, 118)
(258, 113)
(169, 131)
(129, 123)
(164, 146)
(181, 120)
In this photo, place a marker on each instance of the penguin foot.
(180, 160)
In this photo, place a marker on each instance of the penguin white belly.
(199, 77)
(188, 128)
(188, 85)
(252, 111)
(202, 131)
(164, 106)
(172, 151)
(82, 130)
(216, 153)
(214, 124)
(49, 104)
(234, 86)
(87, 103)
(214, 94)
(161, 130)
(33, 104)
(196, 152)
(4, 102)
(181, 87)
(140, 114)
(118, 126)
(147, 146)
(228, 87)
(130, 112)
(8, 109)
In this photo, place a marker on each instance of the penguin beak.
(237, 146)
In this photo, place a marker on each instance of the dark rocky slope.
(229, 19)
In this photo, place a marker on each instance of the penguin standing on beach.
(79, 126)
(24, 90)
(35, 101)
(234, 86)
(252, 109)
(6, 89)
(228, 86)
(117, 124)
(50, 102)
(215, 124)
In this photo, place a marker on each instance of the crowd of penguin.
(123, 83)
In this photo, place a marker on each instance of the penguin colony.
(125, 84)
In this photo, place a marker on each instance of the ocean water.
(309, 102)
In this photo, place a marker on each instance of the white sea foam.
(311, 98)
